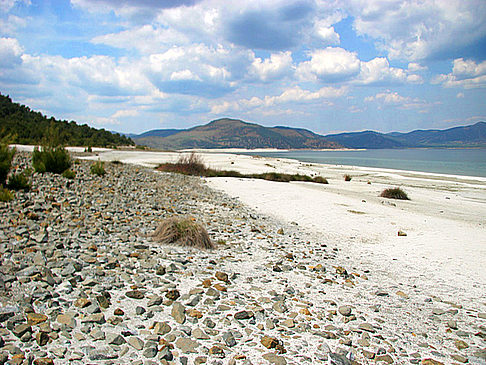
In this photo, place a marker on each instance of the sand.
(443, 253)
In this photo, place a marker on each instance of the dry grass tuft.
(394, 193)
(182, 232)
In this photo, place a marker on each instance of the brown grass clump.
(182, 232)
(347, 177)
(191, 164)
(394, 193)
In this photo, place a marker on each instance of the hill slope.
(232, 133)
(466, 136)
(19, 124)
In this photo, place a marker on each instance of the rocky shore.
(81, 282)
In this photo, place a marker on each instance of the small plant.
(6, 156)
(5, 195)
(140, 147)
(394, 193)
(182, 232)
(347, 177)
(20, 181)
(191, 164)
(51, 159)
(69, 174)
(98, 168)
(320, 180)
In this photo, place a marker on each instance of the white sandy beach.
(439, 264)
(443, 253)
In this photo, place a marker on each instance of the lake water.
(469, 162)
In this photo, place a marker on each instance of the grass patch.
(193, 165)
(51, 159)
(98, 168)
(5, 195)
(394, 193)
(182, 232)
(69, 174)
(6, 156)
(20, 181)
(347, 177)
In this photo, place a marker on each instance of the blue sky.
(328, 66)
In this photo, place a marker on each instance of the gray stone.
(199, 334)
(178, 313)
(115, 339)
(345, 310)
(279, 307)
(135, 342)
(187, 345)
(229, 339)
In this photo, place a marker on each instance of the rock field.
(81, 282)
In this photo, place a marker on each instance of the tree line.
(21, 125)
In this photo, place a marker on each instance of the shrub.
(394, 193)
(51, 159)
(347, 177)
(20, 181)
(320, 180)
(182, 232)
(69, 174)
(98, 168)
(116, 162)
(5, 195)
(6, 156)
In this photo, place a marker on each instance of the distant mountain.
(467, 136)
(233, 133)
(159, 133)
(366, 139)
(19, 124)
(471, 135)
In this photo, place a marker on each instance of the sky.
(325, 65)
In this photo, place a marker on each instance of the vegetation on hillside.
(192, 164)
(19, 124)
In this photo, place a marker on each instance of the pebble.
(90, 286)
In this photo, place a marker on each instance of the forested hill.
(20, 125)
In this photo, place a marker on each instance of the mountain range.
(233, 133)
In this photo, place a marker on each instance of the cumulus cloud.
(10, 52)
(331, 64)
(291, 95)
(416, 30)
(197, 70)
(378, 71)
(467, 74)
(334, 64)
(276, 67)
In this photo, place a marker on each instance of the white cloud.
(378, 71)
(338, 65)
(394, 99)
(273, 68)
(326, 33)
(124, 113)
(416, 67)
(10, 52)
(147, 39)
(465, 73)
(331, 64)
(291, 95)
(415, 30)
